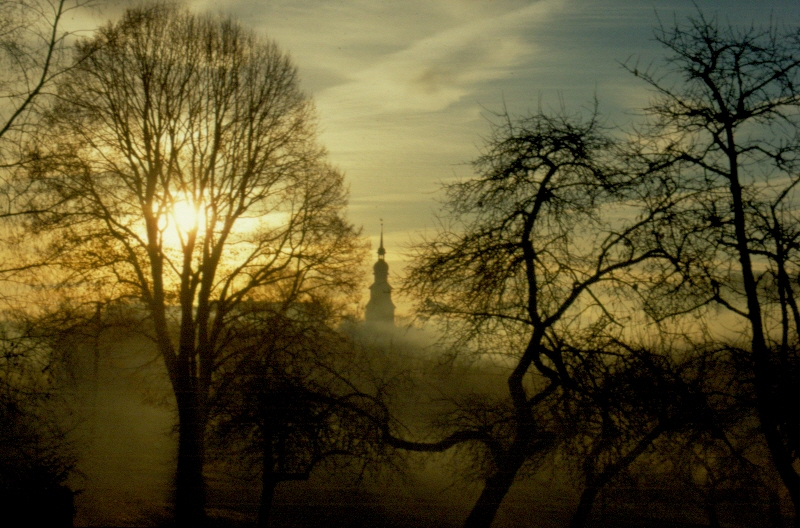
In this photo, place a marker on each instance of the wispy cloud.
(438, 70)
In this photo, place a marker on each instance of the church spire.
(381, 251)
(380, 308)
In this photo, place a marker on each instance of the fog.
(126, 446)
(114, 398)
(125, 434)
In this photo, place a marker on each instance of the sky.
(406, 90)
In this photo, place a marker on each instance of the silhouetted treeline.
(604, 265)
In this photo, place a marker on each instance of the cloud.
(438, 70)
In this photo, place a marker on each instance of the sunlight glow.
(183, 218)
(185, 215)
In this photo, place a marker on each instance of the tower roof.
(381, 250)
(380, 308)
(381, 268)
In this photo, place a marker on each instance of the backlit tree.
(186, 179)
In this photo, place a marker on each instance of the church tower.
(380, 308)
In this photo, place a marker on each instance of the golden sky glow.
(404, 89)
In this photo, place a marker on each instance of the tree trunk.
(497, 486)
(585, 505)
(488, 503)
(764, 379)
(189, 484)
(711, 511)
(268, 483)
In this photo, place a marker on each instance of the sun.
(184, 217)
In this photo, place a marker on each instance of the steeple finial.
(381, 251)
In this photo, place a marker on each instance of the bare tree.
(630, 399)
(33, 54)
(185, 178)
(724, 135)
(36, 455)
(530, 257)
(296, 402)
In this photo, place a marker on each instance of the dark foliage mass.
(293, 403)
(36, 454)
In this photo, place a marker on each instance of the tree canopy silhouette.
(722, 139)
(562, 228)
(185, 179)
(526, 264)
